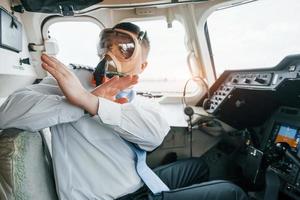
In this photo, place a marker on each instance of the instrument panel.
(250, 96)
(248, 80)
(268, 99)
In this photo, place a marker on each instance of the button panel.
(256, 79)
(218, 97)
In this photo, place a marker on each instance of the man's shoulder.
(145, 101)
(84, 74)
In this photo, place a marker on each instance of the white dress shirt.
(90, 158)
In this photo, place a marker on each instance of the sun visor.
(65, 7)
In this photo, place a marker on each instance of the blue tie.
(152, 181)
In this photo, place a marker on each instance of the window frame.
(55, 19)
(52, 20)
(167, 98)
(212, 60)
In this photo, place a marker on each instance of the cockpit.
(263, 105)
(226, 74)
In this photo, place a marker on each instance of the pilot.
(101, 130)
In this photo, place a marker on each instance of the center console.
(284, 127)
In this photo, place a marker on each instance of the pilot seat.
(26, 171)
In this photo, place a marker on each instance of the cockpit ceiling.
(59, 6)
(143, 2)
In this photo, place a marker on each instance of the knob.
(260, 80)
(235, 80)
(24, 61)
(247, 81)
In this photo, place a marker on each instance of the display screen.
(10, 31)
(290, 135)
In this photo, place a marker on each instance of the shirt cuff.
(109, 112)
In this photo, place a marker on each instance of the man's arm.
(76, 93)
(136, 122)
(37, 107)
(139, 122)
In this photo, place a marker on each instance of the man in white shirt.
(91, 126)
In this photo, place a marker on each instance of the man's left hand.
(113, 86)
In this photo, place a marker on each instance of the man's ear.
(144, 65)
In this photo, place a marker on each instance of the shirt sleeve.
(36, 107)
(139, 122)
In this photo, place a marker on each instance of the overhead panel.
(69, 7)
(57, 6)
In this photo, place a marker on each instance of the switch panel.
(252, 79)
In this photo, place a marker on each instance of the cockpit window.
(254, 35)
(77, 41)
(167, 70)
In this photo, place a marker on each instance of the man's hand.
(70, 84)
(113, 86)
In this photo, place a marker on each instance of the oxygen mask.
(122, 50)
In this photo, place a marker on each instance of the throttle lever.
(286, 150)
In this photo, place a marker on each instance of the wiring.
(184, 102)
(195, 78)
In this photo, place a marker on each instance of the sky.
(254, 35)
